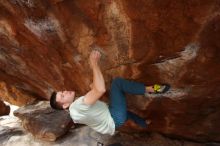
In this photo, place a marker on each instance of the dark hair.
(53, 103)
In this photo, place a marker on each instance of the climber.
(89, 110)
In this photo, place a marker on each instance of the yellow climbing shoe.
(161, 88)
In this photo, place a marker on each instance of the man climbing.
(89, 110)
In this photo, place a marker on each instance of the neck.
(76, 97)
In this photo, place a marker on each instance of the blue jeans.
(118, 107)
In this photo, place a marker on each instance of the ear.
(66, 105)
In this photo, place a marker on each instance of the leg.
(138, 120)
(127, 86)
(118, 108)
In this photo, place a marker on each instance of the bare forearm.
(98, 79)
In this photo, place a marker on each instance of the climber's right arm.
(98, 88)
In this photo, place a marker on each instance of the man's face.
(65, 98)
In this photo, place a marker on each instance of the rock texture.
(44, 46)
(4, 109)
(84, 136)
(9, 126)
(43, 122)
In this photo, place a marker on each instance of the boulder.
(4, 109)
(44, 46)
(43, 122)
(15, 135)
(9, 126)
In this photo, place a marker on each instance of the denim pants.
(118, 107)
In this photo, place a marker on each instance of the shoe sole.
(167, 88)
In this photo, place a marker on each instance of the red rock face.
(4, 109)
(44, 46)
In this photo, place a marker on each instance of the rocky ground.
(12, 134)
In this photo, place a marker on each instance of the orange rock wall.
(44, 46)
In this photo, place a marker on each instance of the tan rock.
(86, 136)
(43, 122)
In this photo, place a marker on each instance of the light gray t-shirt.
(96, 116)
